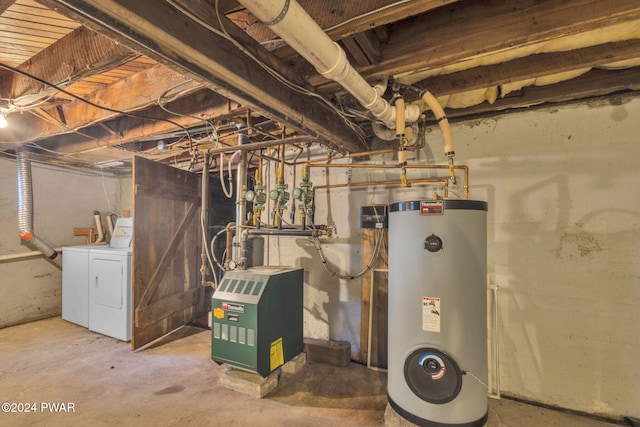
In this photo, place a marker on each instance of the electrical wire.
(213, 243)
(206, 249)
(161, 105)
(229, 193)
(379, 237)
(93, 104)
(224, 34)
(106, 196)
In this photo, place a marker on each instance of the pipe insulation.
(443, 123)
(293, 24)
(25, 209)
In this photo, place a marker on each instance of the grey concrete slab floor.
(54, 373)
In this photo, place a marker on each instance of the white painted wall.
(564, 241)
(63, 199)
(564, 244)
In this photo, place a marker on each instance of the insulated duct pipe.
(290, 21)
(25, 210)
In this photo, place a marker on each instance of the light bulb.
(3, 121)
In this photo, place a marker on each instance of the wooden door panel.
(166, 250)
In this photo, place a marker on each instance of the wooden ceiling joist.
(342, 19)
(78, 55)
(593, 84)
(194, 108)
(533, 66)
(476, 28)
(132, 93)
(172, 38)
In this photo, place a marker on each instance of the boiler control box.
(375, 216)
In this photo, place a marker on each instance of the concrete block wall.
(563, 248)
(63, 199)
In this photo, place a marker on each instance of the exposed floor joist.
(132, 93)
(342, 19)
(80, 54)
(595, 83)
(542, 64)
(117, 131)
(476, 28)
(172, 38)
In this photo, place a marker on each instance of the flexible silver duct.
(25, 209)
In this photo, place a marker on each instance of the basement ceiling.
(88, 83)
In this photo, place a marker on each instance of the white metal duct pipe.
(25, 209)
(291, 22)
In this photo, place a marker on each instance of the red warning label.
(431, 313)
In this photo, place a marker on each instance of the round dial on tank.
(433, 243)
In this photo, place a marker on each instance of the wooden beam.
(370, 45)
(592, 84)
(78, 55)
(529, 67)
(133, 93)
(342, 18)
(5, 4)
(475, 28)
(172, 38)
(207, 14)
(226, 6)
(352, 48)
(196, 108)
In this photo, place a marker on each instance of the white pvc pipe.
(294, 25)
(96, 216)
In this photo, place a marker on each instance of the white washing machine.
(96, 284)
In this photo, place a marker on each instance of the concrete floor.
(176, 383)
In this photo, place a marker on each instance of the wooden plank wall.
(378, 279)
(166, 251)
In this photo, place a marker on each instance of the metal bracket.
(281, 16)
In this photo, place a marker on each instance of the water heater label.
(432, 207)
(431, 314)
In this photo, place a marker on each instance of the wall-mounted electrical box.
(374, 216)
(257, 318)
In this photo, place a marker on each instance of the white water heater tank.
(437, 356)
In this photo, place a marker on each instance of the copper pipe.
(443, 181)
(465, 188)
(361, 154)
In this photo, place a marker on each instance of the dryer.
(110, 292)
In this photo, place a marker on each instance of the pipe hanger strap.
(281, 16)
